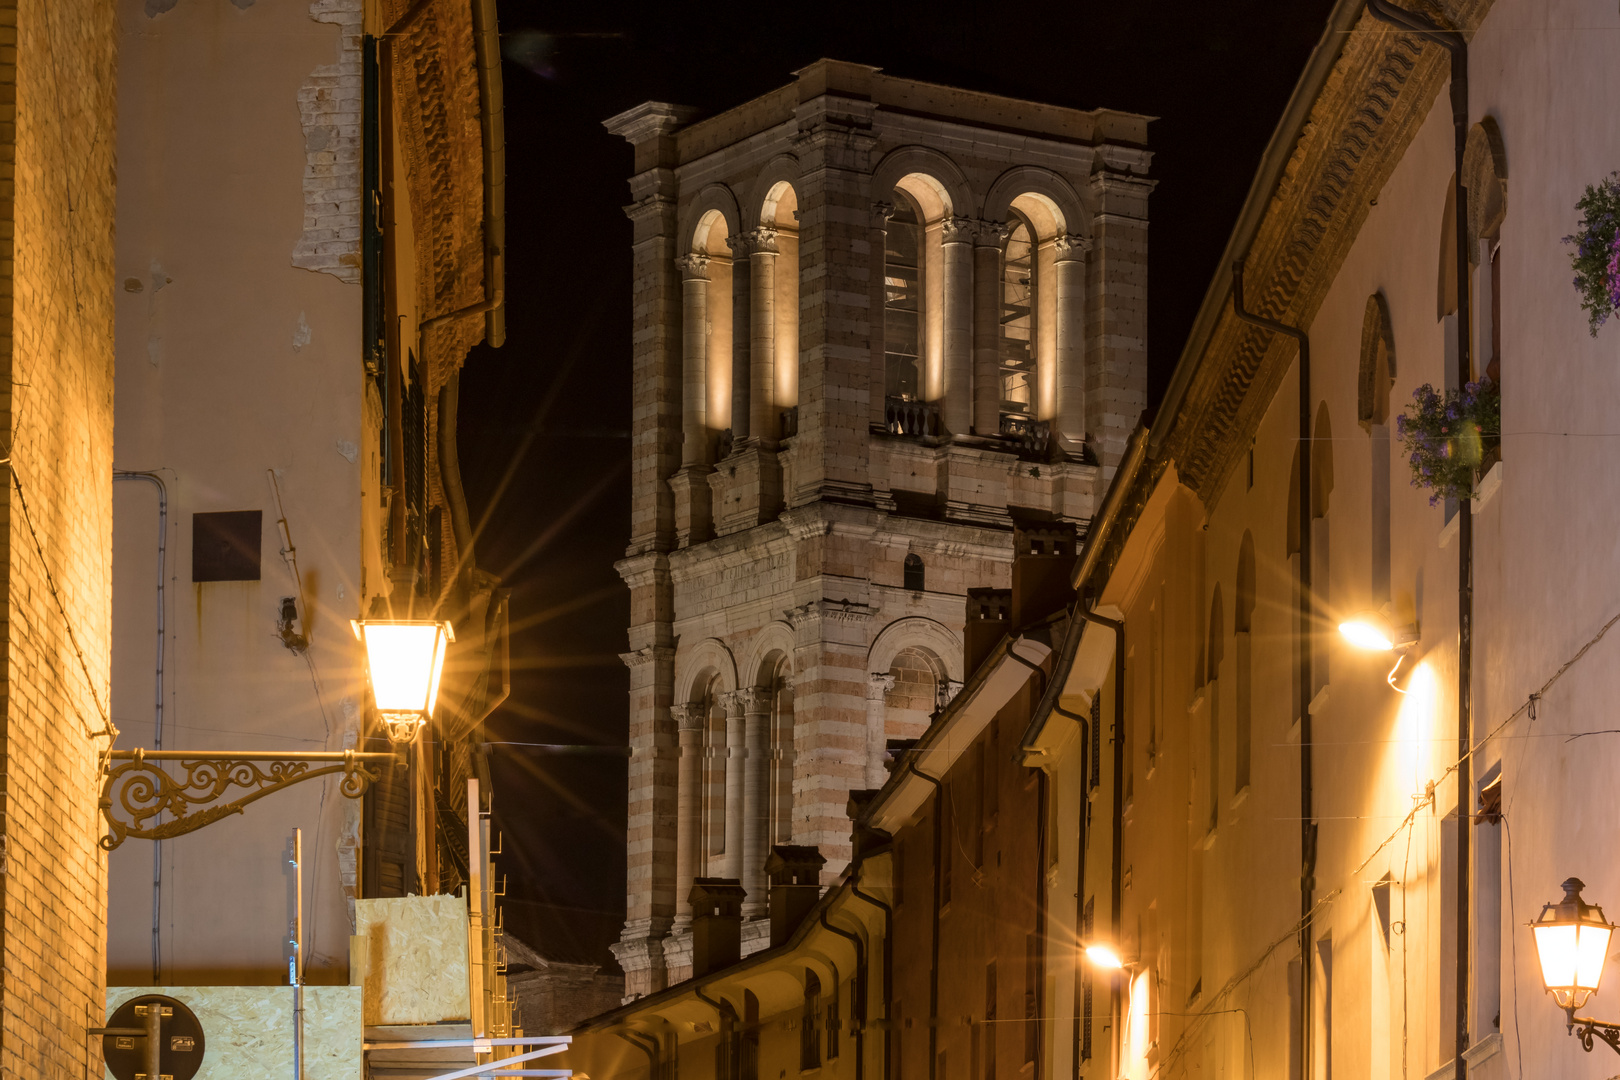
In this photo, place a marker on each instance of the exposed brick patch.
(329, 108)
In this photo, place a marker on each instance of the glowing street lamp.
(1104, 957)
(404, 661)
(1572, 943)
(1371, 632)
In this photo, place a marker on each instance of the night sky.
(545, 420)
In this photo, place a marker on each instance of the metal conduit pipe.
(861, 975)
(1079, 874)
(888, 961)
(634, 1038)
(933, 949)
(157, 704)
(1457, 47)
(1305, 614)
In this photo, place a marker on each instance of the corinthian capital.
(879, 683)
(1067, 248)
(693, 267)
(761, 241)
(989, 233)
(689, 717)
(881, 213)
(957, 230)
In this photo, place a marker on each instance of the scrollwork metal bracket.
(137, 794)
(1587, 1030)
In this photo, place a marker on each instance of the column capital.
(693, 267)
(760, 241)
(879, 683)
(1071, 248)
(881, 213)
(689, 717)
(990, 233)
(755, 700)
(733, 702)
(957, 230)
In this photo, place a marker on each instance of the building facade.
(309, 242)
(877, 323)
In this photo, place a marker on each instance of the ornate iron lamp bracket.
(136, 793)
(1586, 1029)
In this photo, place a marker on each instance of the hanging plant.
(1596, 259)
(1446, 436)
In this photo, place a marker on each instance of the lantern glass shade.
(405, 661)
(1572, 943)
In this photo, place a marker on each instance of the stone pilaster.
(1116, 315)
(764, 427)
(956, 408)
(741, 340)
(731, 861)
(878, 373)
(878, 685)
(689, 485)
(689, 720)
(756, 706)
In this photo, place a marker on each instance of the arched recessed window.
(780, 213)
(1485, 176)
(1377, 375)
(902, 303)
(1217, 652)
(810, 1023)
(914, 573)
(1243, 627)
(1016, 373)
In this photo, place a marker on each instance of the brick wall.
(58, 66)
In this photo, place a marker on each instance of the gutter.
(862, 975)
(933, 949)
(888, 958)
(1273, 162)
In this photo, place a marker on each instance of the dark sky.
(545, 420)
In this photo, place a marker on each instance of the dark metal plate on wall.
(182, 1039)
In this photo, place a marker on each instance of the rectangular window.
(1487, 897)
(810, 1023)
(1032, 978)
(225, 546)
(833, 1024)
(1095, 780)
(990, 1021)
(1088, 925)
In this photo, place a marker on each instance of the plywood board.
(416, 959)
(248, 1030)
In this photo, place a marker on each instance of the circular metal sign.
(181, 1040)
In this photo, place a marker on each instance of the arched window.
(1212, 693)
(1485, 175)
(810, 1023)
(914, 572)
(1016, 376)
(707, 346)
(902, 303)
(780, 213)
(1242, 645)
(1377, 375)
(714, 780)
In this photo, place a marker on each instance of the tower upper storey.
(883, 292)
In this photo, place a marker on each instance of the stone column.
(878, 685)
(756, 702)
(694, 358)
(689, 720)
(988, 237)
(740, 343)
(878, 371)
(1069, 272)
(763, 426)
(731, 862)
(956, 237)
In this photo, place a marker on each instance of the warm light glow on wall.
(1415, 729)
(1137, 1030)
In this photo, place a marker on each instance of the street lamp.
(1572, 942)
(1372, 632)
(1104, 957)
(404, 662)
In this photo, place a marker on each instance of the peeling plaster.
(154, 350)
(349, 451)
(329, 112)
(154, 8)
(301, 335)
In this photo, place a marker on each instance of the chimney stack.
(988, 613)
(716, 924)
(1042, 571)
(794, 871)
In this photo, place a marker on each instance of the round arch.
(707, 655)
(714, 199)
(929, 176)
(924, 633)
(765, 191)
(775, 638)
(1048, 200)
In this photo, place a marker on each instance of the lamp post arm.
(1588, 1029)
(136, 794)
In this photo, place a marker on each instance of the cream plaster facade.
(876, 322)
(300, 200)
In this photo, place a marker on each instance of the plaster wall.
(232, 362)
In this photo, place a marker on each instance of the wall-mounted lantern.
(404, 663)
(1572, 943)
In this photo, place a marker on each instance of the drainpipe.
(888, 961)
(1118, 824)
(157, 706)
(653, 1052)
(1043, 838)
(1079, 877)
(1453, 43)
(861, 975)
(933, 953)
(1307, 830)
